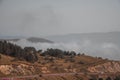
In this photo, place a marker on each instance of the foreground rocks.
(14, 69)
(109, 67)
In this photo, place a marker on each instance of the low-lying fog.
(105, 50)
(42, 18)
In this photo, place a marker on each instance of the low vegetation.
(29, 61)
(28, 53)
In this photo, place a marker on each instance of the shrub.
(0, 56)
(28, 53)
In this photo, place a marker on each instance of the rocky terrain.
(58, 68)
(53, 64)
(14, 69)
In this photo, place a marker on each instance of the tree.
(108, 78)
(31, 57)
(28, 53)
(117, 78)
(100, 79)
(53, 52)
(39, 51)
(0, 56)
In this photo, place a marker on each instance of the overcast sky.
(53, 17)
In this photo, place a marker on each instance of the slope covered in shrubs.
(28, 53)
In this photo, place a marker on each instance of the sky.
(58, 17)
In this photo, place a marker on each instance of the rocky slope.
(22, 69)
(15, 69)
(11, 67)
(109, 67)
(43, 66)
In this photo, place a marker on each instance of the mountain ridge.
(30, 39)
(74, 36)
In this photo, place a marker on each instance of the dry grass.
(58, 65)
(5, 59)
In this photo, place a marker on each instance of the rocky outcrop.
(108, 67)
(14, 69)
(22, 69)
(44, 70)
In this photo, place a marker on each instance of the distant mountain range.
(35, 39)
(109, 37)
(97, 44)
(31, 39)
(106, 45)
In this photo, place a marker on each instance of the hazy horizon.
(58, 17)
(41, 18)
(106, 45)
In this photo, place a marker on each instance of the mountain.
(112, 37)
(30, 39)
(106, 45)
(36, 40)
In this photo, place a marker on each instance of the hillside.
(53, 64)
(81, 64)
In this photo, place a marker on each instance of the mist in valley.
(106, 49)
(78, 25)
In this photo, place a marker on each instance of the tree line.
(58, 53)
(28, 53)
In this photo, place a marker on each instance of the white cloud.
(106, 50)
